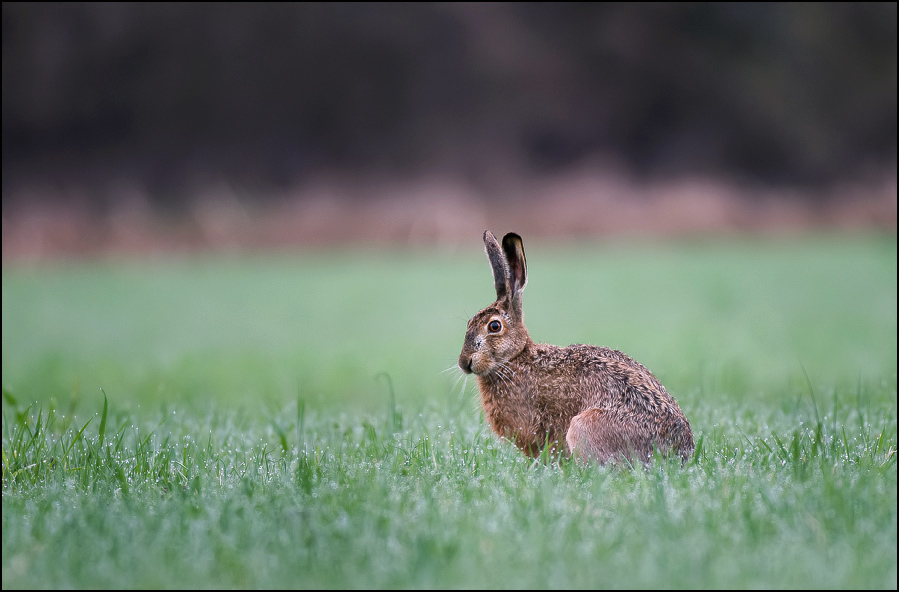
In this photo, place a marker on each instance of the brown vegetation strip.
(436, 213)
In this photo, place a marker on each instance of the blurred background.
(151, 127)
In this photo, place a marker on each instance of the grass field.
(286, 421)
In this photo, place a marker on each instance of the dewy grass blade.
(103, 418)
(77, 437)
(301, 423)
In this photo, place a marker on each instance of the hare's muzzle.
(465, 363)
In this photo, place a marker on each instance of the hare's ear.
(499, 265)
(518, 267)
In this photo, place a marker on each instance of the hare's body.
(590, 401)
(533, 404)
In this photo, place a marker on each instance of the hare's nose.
(465, 364)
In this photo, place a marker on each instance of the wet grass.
(285, 423)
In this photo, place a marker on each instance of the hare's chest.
(524, 429)
(511, 412)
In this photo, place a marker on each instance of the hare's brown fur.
(593, 402)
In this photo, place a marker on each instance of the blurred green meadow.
(297, 420)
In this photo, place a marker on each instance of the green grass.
(285, 422)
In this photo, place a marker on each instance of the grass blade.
(103, 417)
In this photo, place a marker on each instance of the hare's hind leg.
(604, 435)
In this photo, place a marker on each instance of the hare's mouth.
(467, 364)
(489, 370)
(470, 365)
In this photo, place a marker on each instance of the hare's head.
(497, 334)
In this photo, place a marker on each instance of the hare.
(582, 400)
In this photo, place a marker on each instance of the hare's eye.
(494, 326)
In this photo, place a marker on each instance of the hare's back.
(613, 377)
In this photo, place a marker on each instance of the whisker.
(505, 374)
(459, 377)
(505, 368)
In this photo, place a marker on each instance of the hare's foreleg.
(604, 435)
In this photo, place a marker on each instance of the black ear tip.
(512, 239)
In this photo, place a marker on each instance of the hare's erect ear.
(498, 263)
(518, 267)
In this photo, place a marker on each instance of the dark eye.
(494, 326)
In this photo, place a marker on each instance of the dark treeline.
(266, 95)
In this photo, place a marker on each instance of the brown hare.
(582, 400)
